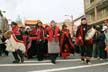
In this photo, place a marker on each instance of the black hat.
(13, 23)
(83, 19)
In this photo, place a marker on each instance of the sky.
(44, 10)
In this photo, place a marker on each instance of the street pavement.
(73, 64)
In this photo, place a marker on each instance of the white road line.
(65, 60)
(47, 62)
(57, 60)
(71, 68)
(34, 64)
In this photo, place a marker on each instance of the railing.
(89, 6)
(101, 1)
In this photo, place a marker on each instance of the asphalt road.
(73, 64)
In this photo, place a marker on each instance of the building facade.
(71, 26)
(31, 23)
(3, 23)
(96, 11)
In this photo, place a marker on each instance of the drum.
(89, 35)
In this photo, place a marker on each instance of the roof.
(30, 22)
(20, 24)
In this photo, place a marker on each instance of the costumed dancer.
(53, 41)
(46, 41)
(40, 41)
(85, 46)
(27, 40)
(15, 43)
(65, 42)
(32, 51)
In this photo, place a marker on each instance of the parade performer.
(27, 40)
(65, 42)
(40, 41)
(38, 45)
(86, 46)
(15, 43)
(53, 41)
(46, 40)
(32, 51)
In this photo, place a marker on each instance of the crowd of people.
(49, 42)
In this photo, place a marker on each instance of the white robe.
(12, 45)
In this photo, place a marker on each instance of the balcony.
(101, 3)
(89, 7)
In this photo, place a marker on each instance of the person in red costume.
(65, 42)
(27, 40)
(18, 37)
(38, 38)
(85, 46)
(40, 41)
(32, 51)
(53, 41)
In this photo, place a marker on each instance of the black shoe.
(53, 62)
(30, 57)
(16, 61)
(22, 60)
(40, 59)
(88, 61)
(82, 59)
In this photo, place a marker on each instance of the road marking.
(34, 64)
(66, 60)
(57, 60)
(71, 68)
